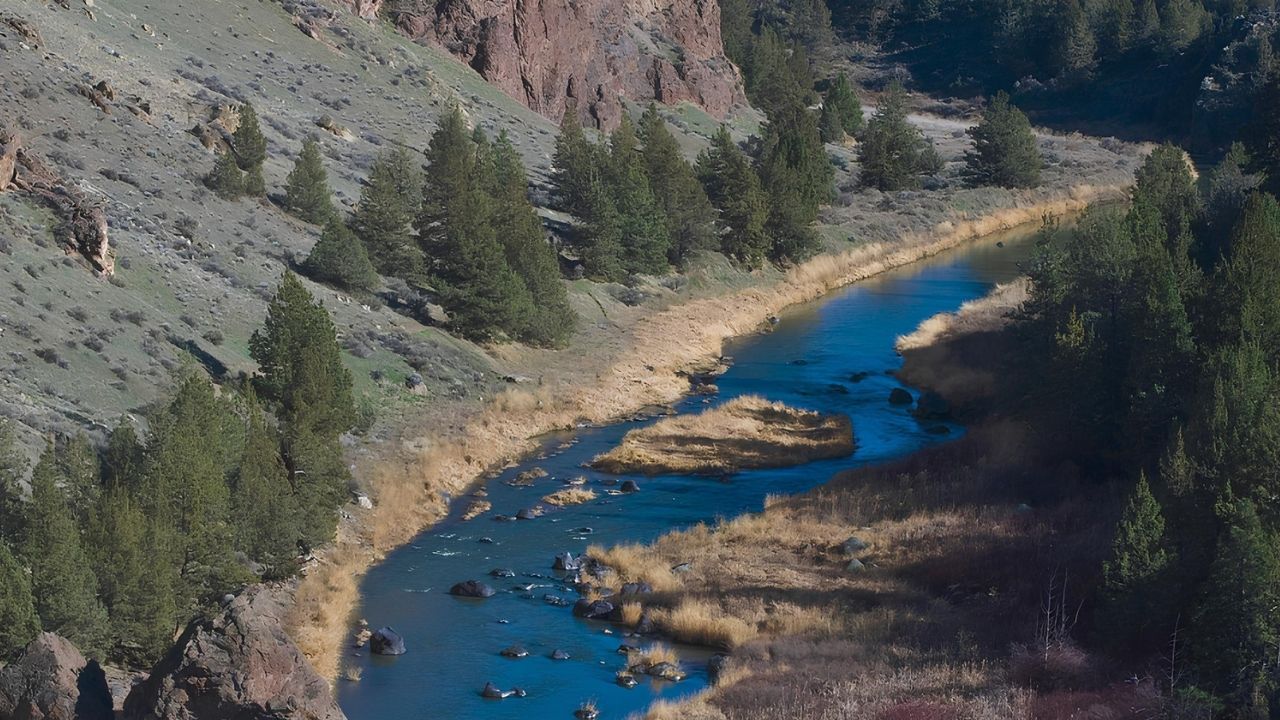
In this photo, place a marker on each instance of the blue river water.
(835, 355)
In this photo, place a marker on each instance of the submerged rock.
(502, 573)
(932, 406)
(472, 589)
(899, 396)
(558, 654)
(493, 692)
(592, 609)
(386, 642)
(514, 651)
(629, 486)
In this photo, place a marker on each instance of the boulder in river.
(386, 641)
(559, 654)
(567, 562)
(493, 692)
(932, 406)
(626, 679)
(629, 486)
(592, 609)
(240, 664)
(53, 681)
(529, 513)
(514, 651)
(471, 589)
(666, 671)
(502, 573)
(900, 396)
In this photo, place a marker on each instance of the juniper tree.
(797, 177)
(62, 581)
(80, 474)
(123, 460)
(340, 259)
(250, 150)
(265, 513)
(644, 238)
(575, 166)
(893, 152)
(830, 126)
(307, 193)
(1135, 587)
(227, 179)
(384, 218)
(734, 189)
(685, 208)
(842, 97)
(13, 466)
(528, 253)
(1004, 148)
(19, 623)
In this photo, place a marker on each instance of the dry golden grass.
(988, 313)
(746, 432)
(703, 623)
(633, 562)
(640, 366)
(631, 613)
(570, 496)
(653, 655)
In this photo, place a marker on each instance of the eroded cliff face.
(547, 53)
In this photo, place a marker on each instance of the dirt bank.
(644, 365)
(746, 432)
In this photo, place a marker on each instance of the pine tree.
(123, 462)
(451, 164)
(136, 577)
(250, 150)
(842, 97)
(1004, 148)
(527, 251)
(1235, 628)
(645, 242)
(62, 582)
(307, 192)
(1076, 48)
(1245, 298)
(1182, 22)
(599, 239)
(1147, 22)
(830, 126)
(775, 77)
(1263, 135)
(1134, 586)
(339, 258)
(734, 189)
(80, 472)
(735, 30)
(1165, 182)
(13, 466)
(798, 177)
(575, 165)
(227, 179)
(893, 152)
(384, 218)
(264, 510)
(684, 204)
(19, 623)
(189, 456)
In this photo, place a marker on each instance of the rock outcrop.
(592, 53)
(83, 229)
(53, 681)
(240, 665)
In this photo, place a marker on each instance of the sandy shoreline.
(413, 488)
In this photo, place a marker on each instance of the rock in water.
(240, 664)
(566, 561)
(53, 681)
(472, 589)
(592, 609)
(899, 396)
(386, 642)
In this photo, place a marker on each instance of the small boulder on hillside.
(53, 681)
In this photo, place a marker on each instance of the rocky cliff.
(594, 53)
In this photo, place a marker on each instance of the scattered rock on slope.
(53, 681)
(239, 665)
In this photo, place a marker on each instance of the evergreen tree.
(307, 192)
(123, 462)
(189, 456)
(645, 242)
(1075, 50)
(1264, 134)
(1235, 628)
(13, 466)
(1246, 299)
(1182, 22)
(830, 126)
(684, 204)
(80, 472)
(1004, 148)
(19, 623)
(893, 152)
(842, 97)
(384, 218)
(340, 259)
(264, 511)
(797, 177)
(735, 30)
(227, 179)
(527, 251)
(777, 76)
(62, 582)
(575, 166)
(136, 578)
(451, 164)
(1230, 185)
(1165, 182)
(734, 190)
(250, 150)
(1134, 586)
(599, 239)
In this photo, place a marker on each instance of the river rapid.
(833, 355)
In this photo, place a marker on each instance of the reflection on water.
(833, 355)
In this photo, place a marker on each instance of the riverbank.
(646, 365)
(912, 589)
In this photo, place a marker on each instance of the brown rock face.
(240, 666)
(367, 9)
(546, 53)
(53, 681)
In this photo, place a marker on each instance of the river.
(835, 355)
